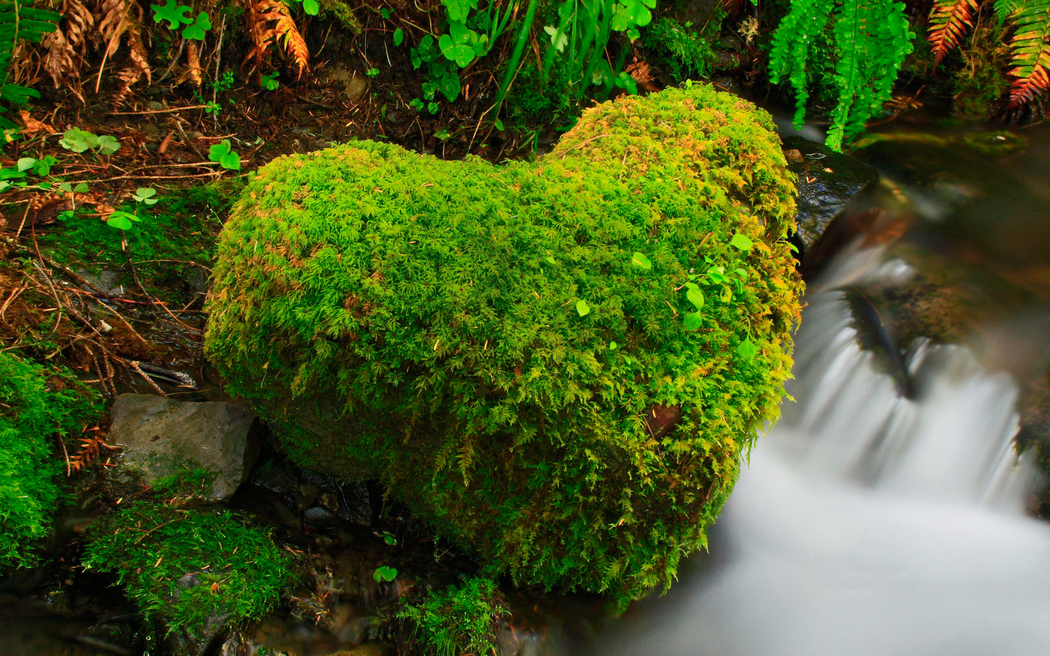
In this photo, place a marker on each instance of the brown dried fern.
(90, 452)
(259, 14)
(950, 21)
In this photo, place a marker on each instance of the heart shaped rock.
(558, 364)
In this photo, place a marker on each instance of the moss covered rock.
(558, 364)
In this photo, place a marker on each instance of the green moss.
(685, 52)
(183, 567)
(417, 320)
(32, 412)
(458, 620)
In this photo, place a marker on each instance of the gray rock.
(318, 517)
(160, 437)
(827, 182)
(155, 106)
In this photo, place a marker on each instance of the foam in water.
(867, 523)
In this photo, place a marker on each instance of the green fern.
(871, 41)
(1030, 48)
(18, 22)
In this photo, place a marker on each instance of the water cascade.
(867, 522)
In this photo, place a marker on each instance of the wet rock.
(155, 106)
(279, 480)
(185, 643)
(318, 517)
(104, 280)
(308, 494)
(827, 182)
(329, 501)
(161, 437)
(285, 516)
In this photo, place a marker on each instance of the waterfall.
(866, 523)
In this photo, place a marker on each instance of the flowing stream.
(866, 522)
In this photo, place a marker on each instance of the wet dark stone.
(318, 517)
(278, 479)
(827, 182)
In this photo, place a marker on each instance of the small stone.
(356, 87)
(193, 135)
(318, 517)
(793, 155)
(155, 106)
(329, 501)
(149, 129)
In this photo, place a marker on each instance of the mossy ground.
(488, 342)
(36, 409)
(184, 567)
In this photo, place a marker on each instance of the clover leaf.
(122, 220)
(225, 156)
(384, 573)
(145, 195)
(173, 13)
(108, 144)
(195, 32)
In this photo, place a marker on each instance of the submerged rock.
(161, 438)
(827, 182)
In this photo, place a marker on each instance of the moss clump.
(458, 620)
(189, 569)
(31, 413)
(515, 350)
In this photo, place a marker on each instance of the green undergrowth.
(182, 227)
(683, 49)
(558, 364)
(458, 620)
(187, 568)
(35, 407)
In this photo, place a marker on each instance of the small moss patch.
(33, 410)
(187, 569)
(458, 620)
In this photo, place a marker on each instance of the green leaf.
(122, 220)
(399, 37)
(583, 308)
(613, 346)
(81, 188)
(694, 295)
(641, 261)
(558, 39)
(173, 13)
(196, 31)
(26, 163)
(499, 124)
(747, 349)
(231, 161)
(311, 7)
(224, 155)
(108, 144)
(742, 241)
(693, 321)
(384, 573)
(450, 87)
(145, 195)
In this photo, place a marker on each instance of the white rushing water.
(866, 523)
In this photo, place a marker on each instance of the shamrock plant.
(384, 573)
(224, 155)
(178, 15)
(79, 141)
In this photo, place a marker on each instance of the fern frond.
(292, 40)
(1030, 48)
(950, 21)
(871, 38)
(258, 14)
(1005, 8)
(789, 56)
